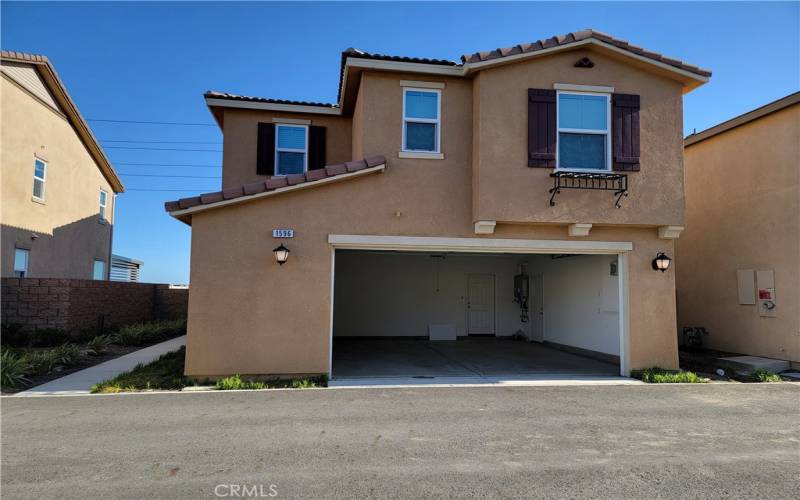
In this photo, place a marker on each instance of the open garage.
(439, 314)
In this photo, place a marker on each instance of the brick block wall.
(75, 305)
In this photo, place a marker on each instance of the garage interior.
(430, 315)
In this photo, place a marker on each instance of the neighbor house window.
(99, 270)
(21, 262)
(291, 149)
(584, 141)
(421, 128)
(103, 204)
(39, 177)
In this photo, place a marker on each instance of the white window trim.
(103, 206)
(437, 121)
(606, 132)
(290, 150)
(43, 179)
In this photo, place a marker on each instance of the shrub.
(48, 337)
(762, 375)
(150, 332)
(98, 345)
(235, 383)
(44, 360)
(13, 369)
(164, 373)
(657, 375)
(11, 335)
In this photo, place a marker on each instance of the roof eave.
(56, 87)
(185, 215)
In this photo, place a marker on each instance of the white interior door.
(536, 308)
(480, 304)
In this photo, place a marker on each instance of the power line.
(166, 164)
(152, 122)
(162, 142)
(174, 176)
(166, 149)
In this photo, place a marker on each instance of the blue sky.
(152, 61)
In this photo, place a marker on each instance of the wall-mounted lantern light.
(661, 262)
(281, 254)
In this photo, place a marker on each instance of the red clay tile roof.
(212, 94)
(480, 57)
(274, 183)
(578, 36)
(360, 54)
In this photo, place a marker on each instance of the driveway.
(601, 441)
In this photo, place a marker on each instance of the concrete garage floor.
(356, 358)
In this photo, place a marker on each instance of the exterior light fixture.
(661, 262)
(281, 254)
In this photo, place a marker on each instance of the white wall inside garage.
(581, 301)
(400, 294)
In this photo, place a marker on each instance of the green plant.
(164, 373)
(154, 331)
(762, 375)
(658, 375)
(13, 369)
(98, 345)
(48, 337)
(43, 361)
(235, 383)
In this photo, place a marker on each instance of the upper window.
(99, 270)
(421, 128)
(21, 262)
(291, 149)
(103, 204)
(584, 141)
(39, 177)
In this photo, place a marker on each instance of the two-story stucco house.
(516, 201)
(58, 187)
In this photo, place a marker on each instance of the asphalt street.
(689, 441)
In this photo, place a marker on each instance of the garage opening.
(458, 314)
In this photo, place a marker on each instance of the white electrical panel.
(746, 279)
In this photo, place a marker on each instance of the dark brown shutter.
(542, 128)
(316, 147)
(625, 132)
(265, 152)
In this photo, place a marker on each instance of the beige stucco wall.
(240, 139)
(506, 189)
(249, 315)
(743, 212)
(70, 235)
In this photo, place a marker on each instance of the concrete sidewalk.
(80, 382)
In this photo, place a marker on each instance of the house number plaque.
(283, 233)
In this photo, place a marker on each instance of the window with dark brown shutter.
(316, 147)
(625, 132)
(265, 150)
(542, 128)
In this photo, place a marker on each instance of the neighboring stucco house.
(739, 259)
(422, 205)
(58, 187)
